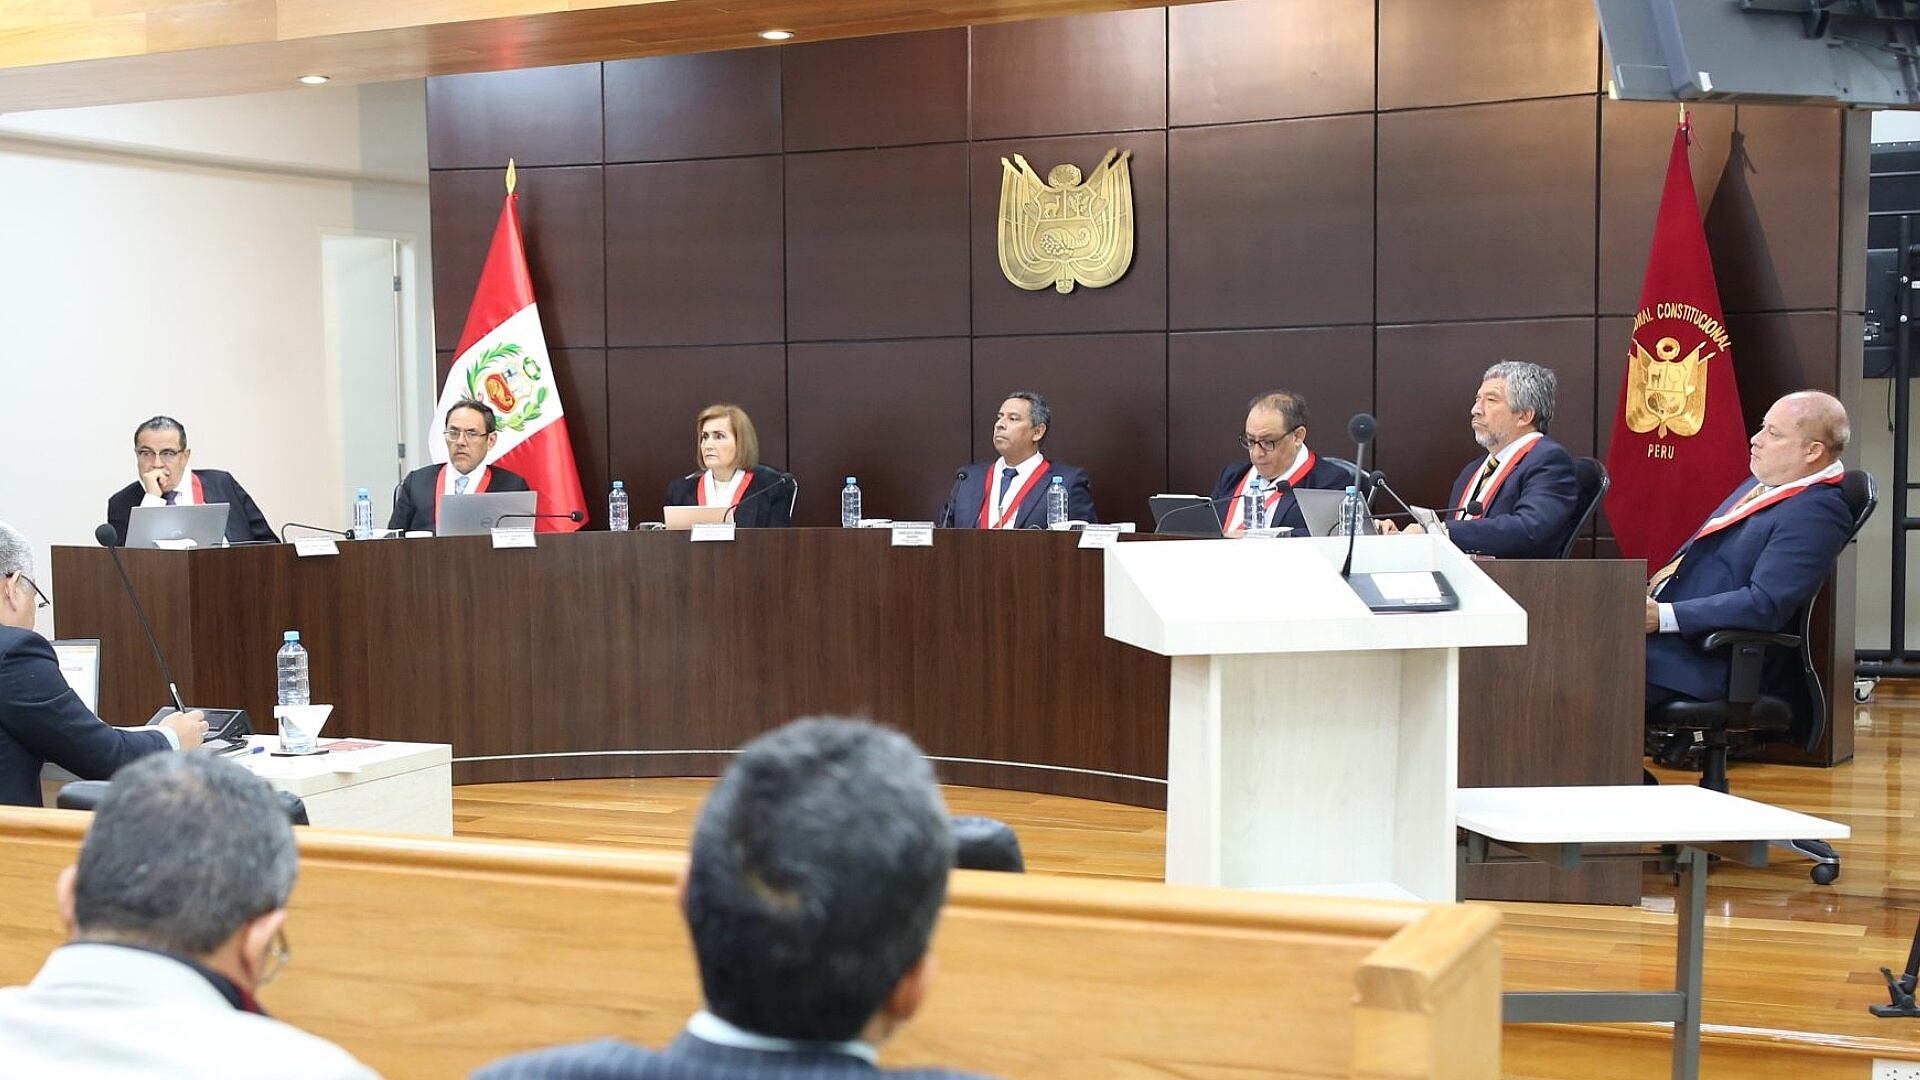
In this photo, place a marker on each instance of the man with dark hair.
(1011, 491)
(160, 454)
(471, 434)
(176, 909)
(1520, 501)
(818, 871)
(41, 718)
(1278, 461)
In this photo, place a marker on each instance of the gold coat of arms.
(1667, 391)
(1060, 231)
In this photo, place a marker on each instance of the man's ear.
(256, 937)
(1039, 432)
(911, 991)
(63, 895)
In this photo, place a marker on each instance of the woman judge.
(731, 474)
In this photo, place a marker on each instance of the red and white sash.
(1304, 462)
(486, 477)
(1013, 508)
(1832, 474)
(1521, 448)
(709, 494)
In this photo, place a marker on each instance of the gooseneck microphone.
(315, 528)
(108, 538)
(1361, 429)
(1380, 484)
(953, 495)
(1171, 519)
(571, 515)
(786, 480)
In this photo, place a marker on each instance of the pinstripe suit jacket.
(690, 1058)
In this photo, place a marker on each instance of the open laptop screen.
(80, 663)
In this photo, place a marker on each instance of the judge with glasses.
(471, 432)
(1278, 461)
(161, 455)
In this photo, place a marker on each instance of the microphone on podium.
(786, 480)
(1380, 484)
(343, 534)
(1361, 429)
(571, 515)
(946, 512)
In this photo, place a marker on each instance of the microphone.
(1380, 484)
(1361, 429)
(953, 493)
(571, 515)
(785, 480)
(316, 528)
(236, 725)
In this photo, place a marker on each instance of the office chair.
(1773, 695)
(86, 795)
(985, 843)
(1594, 483)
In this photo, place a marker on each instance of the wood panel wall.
(1367, 201)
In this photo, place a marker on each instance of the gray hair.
(819, 868)
(16, 556)
(1291, 406)
(162, 423)
(1529, 386)
(1038, 411)
(184, 850)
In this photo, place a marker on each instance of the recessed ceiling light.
(313, 80)
(776, 35)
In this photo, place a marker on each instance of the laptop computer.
(205, 525)
(1321, 509)
(475, 515)
(686, 517)
(1185, 515)
(80, 664)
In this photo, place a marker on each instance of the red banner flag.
(1679, 439)
(502, 360)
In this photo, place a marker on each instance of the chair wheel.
(1824, 873)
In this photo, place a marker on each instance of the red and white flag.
(502, 360)
(1679, 440)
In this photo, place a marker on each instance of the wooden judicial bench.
(427, 958)
(643, 654)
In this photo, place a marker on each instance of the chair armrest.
(1721, 639)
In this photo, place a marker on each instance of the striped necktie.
(460, 484)
(1479, 482)
(1661, 575)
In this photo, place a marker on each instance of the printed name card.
(712, 531)
(512, 538)
(913, 534)
(1099, 536)
(308, 546)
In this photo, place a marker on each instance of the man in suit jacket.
(1763, 553)
(41, 718)
(160, 453)
(1011, 491)
(818, 870)
(471, 432)
(175, 910)
(1276, 442)
(1518, 502)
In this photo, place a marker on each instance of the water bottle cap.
(1351, 490)
(619, 485)
(363, 493)
(291, 635)
(851, 480)
(1058, 481)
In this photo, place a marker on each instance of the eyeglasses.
(168, 456)
(42, 603)
(456, 435)
(1248, 442)
(278, 956)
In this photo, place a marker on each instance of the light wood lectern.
(1312, 744)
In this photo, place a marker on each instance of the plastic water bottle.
(362, 516)
(1250, 516)
(292, 658)
(850, 504)
(1353, 512)
(1057, 503)
(617, 507)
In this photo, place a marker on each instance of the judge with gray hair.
(177, 910)
(41, 718)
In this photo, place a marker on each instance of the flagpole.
(512, 176)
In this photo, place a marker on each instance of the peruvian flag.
(502, 360)
(1679, 439)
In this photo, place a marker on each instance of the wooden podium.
(1312, 744)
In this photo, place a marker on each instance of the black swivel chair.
(86, 795)
(984, 843)
(1773, 695)
(1594, 483)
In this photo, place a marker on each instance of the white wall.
(165, 258)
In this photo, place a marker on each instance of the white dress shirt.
(1021, 474)
(182, 495)
(473, 482)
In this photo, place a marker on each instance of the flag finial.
(511, 176)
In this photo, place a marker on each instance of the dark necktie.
(1481, 481)
(1006, 481)
(170, 496)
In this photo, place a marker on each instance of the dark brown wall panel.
(1775, 221)
(1427, 378)
(582, 375)
(1211, 377)
(537, 116)
(714, 104)
(1636, 138)
(877, 91)
(695, 252)
(893, 413)
(1271, 224)
(1058, 76)
(1776, 354)
(1267, 59)
(877, 243)
(653, 396)
(1486, 211)
(1109, 399)
(564, 227)
(1138, 301)
(1486, 50)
